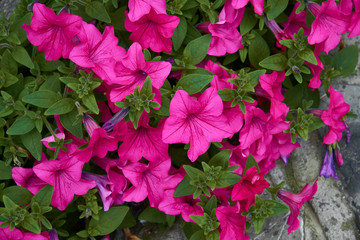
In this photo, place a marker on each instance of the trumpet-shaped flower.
(198, 122)
(52, 33)
(139, 8)
(258, 5)
(153, 30)
(144, 141)
(295, 202)
(97, 51)
(232, 224)
(333, 116)
(65, 176)
(132, 72)
(328, 167)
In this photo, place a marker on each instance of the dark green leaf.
(21, 126)
(346, 60)
(8, 64)
(251, 162)
(277, 7)
(61, 107)
(295, 96)
(97, 10)
(10, 80)
(193, 173)
(196, 50)
(227, 94)
(194, 83)
(227, 179)
(248, 22)
(211, 204)
(8, 203)
(258, 49)
(43, 197)
(90, 102)
(32, 142)
(221, 159)
(108, 221)
(72, 123)
(152, 215)
(18, 195)
(31, 224)
(179, 33)
(308, 55)
(199, 235)
(21, 56)
(316, 124)
(5, 171)
(278, 208)
(42, 98)
(277, 62)
(184, 188)
(258, 224)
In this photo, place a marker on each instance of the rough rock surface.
(334, 213)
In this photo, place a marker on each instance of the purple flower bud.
(339, 158)
(316, 112)
(109, 125)
(53, 235)
(170, 60)
(274, 27)
(348, 133)
(65, 9)
(328, 167)
(90, 124)
(285, 158)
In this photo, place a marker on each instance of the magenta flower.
(26, 178)
(148, 181)
(97, 52)
(232, 224)
(295, 22)
(333, 117)
(65, 176)
(139, 8)
(272, 84)
(153, 30)
(144, 141)
(52, 33)
(220, 76)
(198, 122)
(132, 72)
(258, 5)
(328, 167)
(106, 189)
(295, 202)
(251, 184)
(328, 25)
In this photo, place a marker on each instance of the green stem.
(49, 127)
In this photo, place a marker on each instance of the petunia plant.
(117, 114)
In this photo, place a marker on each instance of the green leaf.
(213, 235)
(43, 197)
(221, 159)
(31, 224)
(295, 96)
(21, 126)
(8, 64)
(10, 80)
(199, 235)
(62, 106)
(211, 204)
(152, 215)
(248, 22)
(32, 142)
(8, 203)
(194, 83)
(277, 62)
(22, 56)
(72, 123)
(179, 33)
(184, 188)
(227, 179)
(258, 49)
(43, 98)
(90, 102)
(18, 195)
(108, 221)
(277, 7)
(316, 124)
(346, 60)
(278, 208)
(308, 55)
(146, 89)
(227, 94)
(258, 224)
(196, 50)
(98, 11)
(251, 162)
(5, 171)
(193, 173)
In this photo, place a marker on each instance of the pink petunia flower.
(295, 202)
(333, 117)
(97, 52)
(145, 141)
(258, 5)
(65, 176)
(52, 33)
(251, 184)
(153, 30)
(198, 122)
(139, 8)
(328, 25)
(132, 72)
(26, 178)
(232, 224)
